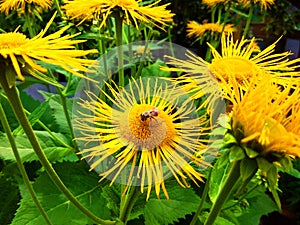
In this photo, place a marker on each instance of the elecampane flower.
(146, 136)
(102, 9)
(265, 4)
(213, 3)
(197, 30)
(267, 118)
(24, 6)
(19, 53)
(234, 67)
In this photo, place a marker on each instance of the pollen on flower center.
(12, 40)
(150, 133)
(237, 67)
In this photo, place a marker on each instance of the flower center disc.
(237, 67)
(148, 134)
(12, 40)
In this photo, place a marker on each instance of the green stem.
(67, 115)
(242, 197)
(63, 98)
(20, 165)
(60, 12)
(245, 183)
(18, 109)
(203, 198)
(213, 12)
(170, 41)
(119, 31)
(128, 204)
(230, 181)
(132, 69)
(249, 19)
(29, 21)
(141, 64)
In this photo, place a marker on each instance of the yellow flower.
(102, 9)
(24, 6)
(233, 67)
(267, 118)
(265, 4)
(18, 54)
(146, 137)
(195, 29)
(213, 3)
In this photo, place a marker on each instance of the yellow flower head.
(24, 6)
(197, 30)
(213, 3)
(267, 118)
(265, 4)
(146, 136)
(18, 53)
(101, 9)
(234, 67)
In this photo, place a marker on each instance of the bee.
(149, 114)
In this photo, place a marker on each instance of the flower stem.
(20, 164)
(128, 204)
(68, 118)
(119, 35)
(230, 181)
(249, 19)
(60, 12)
(203, 198)
(29, 21)
(18, 109)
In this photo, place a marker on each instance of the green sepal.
(272, 177)
(236, 153)
(216, 144)
(10, 75)
(248, 168)
(229, 139)
(219, 131)
(286, 164)
(263, 164)
(224, 121)
(251, 153)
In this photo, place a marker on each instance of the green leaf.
(112, 197)
(9, 199)
(81, 183)
(223, 159)
(219, 220)
(56, 111)
(218, 178)
(154, 70)
(163, 212)
(33, 117)
(52, 149)
(295, 173)
(259, 205)
(236, 153)
(248, 168)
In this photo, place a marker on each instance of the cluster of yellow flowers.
(150, 132)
